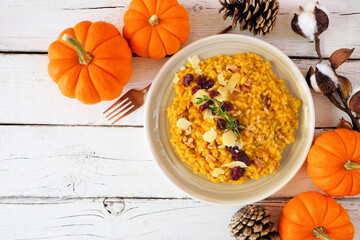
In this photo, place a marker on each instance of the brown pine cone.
(257, 16)
(252, 222)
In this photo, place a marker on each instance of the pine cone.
(257, 16)
(252, 222)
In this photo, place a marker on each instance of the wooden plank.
(118, 218)
(41, 23)
(43, 161)
(31, 97)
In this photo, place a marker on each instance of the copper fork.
(128, 103)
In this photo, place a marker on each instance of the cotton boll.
(311, 21)
(314, 85)
(326, 79)
(327, 70)
(323, 8)
(323, 80)
(307, 24)
(354, 102)
(309, 6)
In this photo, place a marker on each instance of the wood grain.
(41, 25)
(31, 97)
(67, 174)
(122, 218)
(47, 161)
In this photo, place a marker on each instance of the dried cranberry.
(201, 80)
(213, 93)
(241, 156)
(233, 150)
(187, 79)
(205, 105)
(195, 89)
(221, 124)
(227, 106)
(238, 155)
(208, 84)
(236, 173)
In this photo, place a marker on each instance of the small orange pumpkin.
(312, 215)
(90, 62)
(333, 162)
(156, 28)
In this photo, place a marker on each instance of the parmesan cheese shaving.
(210, 135)
(235, 164)
(183, 124)
(216, 172)
(176, 78)
(221, 98)
(198, 71)
(229, 138)
(232, 82)
(239, 144)
(222, 91)
(221, 79)
(194, 61)
(208, 114)
(200, 94)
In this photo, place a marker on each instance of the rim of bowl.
(148, 132)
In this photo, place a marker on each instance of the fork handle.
(146, 89)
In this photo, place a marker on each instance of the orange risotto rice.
(261, 104)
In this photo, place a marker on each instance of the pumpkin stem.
(350, 165)
(84, 57)
(154, 20)
(320, 232)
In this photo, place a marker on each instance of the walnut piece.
(188, 142)
(261, 137)
(211, 146)
(232, 67)
(251, 128)
(279, 135)
(244, 88)
(248, 83)
(260, 163)
(237, 113)
(210, 158)
(188, 131)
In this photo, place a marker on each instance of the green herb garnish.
(216, 109)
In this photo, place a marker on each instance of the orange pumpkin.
(312, 215)
(90, 62)
(156, 28)
(333, 162)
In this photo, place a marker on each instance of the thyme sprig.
(216, 109)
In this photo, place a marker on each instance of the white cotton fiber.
(314, 84)
(307, 23)
(309, 6)
(327, 70)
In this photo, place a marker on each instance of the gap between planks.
(97, 126)
(169, 56)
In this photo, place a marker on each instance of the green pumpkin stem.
(154, 20)
(320, 233)
(84, 57)
(350, 165)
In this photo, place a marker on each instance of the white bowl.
(178, 172)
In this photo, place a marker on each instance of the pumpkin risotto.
(231, 117)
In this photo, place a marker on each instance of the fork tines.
(125, 108)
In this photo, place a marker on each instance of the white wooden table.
(66, 173)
